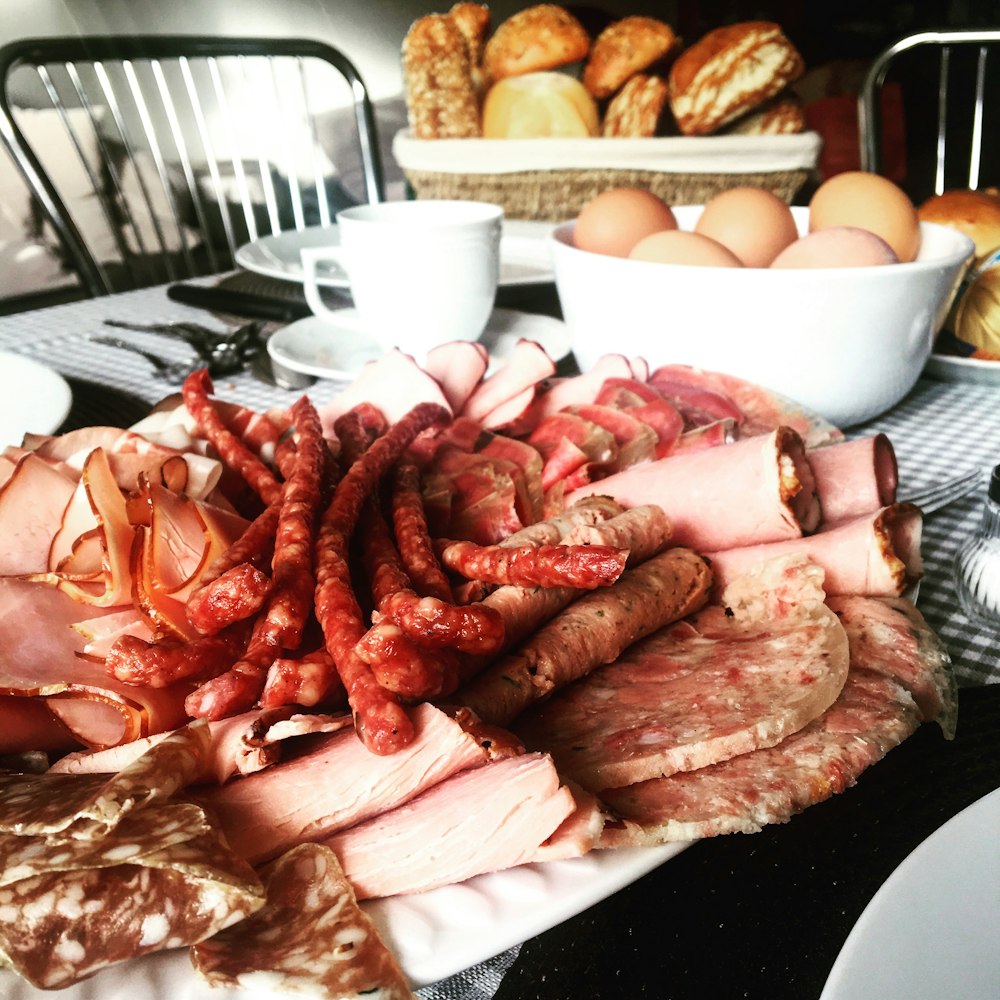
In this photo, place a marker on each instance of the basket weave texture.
(557, 195)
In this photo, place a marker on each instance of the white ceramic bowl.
(848, 343)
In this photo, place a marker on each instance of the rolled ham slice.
(855, 477)
(875, 555)
(478, 821)
(759, 489)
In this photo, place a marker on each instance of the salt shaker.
(977, 564)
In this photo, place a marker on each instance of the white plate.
(317, 347)
(524, 254)
(933, 929)
(33, 399)
(952, 368)
(433, 934)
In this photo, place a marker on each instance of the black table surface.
(765, 915)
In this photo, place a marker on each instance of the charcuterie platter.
(652, 541)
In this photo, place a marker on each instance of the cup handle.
(310, 257)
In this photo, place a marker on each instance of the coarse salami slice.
(594, 630)
(310, 937)
(758, 489)
(694, 694)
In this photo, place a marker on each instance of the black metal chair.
(948, 92)
(172, 151)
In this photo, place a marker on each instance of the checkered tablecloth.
(938, 430)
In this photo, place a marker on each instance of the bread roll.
(538, 38)
(441, 97)
(635, 110)
(728, 73)
(782, 115)
(539, 105)
(624, 48)
(975, 213)
(473, 21)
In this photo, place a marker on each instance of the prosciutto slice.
(758, 489)
(484, 820)
(702, 691)
(899, 676)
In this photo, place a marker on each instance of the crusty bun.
(730, 72)
(539, 105)
(636, 109)
(624, 48)
(782, 115)
(473, 21)
(542, 37)
(975, 213)
(441, 98)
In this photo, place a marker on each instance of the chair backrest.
(955, 94)
(156, 157)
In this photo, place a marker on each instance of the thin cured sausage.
(584, 567)
(413, 537)
(158, 664)
(239, 593)
(471, 628)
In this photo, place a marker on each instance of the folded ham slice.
(340, 783)
(483, 820)
(877, 554)
(758, 489)
(855, 477)
(894, 659)
(699, 692)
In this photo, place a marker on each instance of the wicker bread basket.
(551, 179)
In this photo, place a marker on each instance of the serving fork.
(941, 494)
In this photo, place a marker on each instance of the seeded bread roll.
(473, 21)
(624, 48)
(782, 115)
(636, 109)
(542, 37)
(441, 97)
(728, 73)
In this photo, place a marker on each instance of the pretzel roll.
(782, 115)
(624, 48)
(729, 72)
(542, 37)
(635, 110)
(440, 94)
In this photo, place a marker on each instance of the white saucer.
(931, 930)
(315, 346)
(35, 399)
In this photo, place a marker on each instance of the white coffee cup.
(421, 272)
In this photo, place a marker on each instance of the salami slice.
(594, 630)
(692, 695)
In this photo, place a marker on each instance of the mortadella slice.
(875, 555)
(755, 490)
(855, 477)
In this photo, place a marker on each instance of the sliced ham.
(855, 477)
(338, 784)
(512, 415)
(899, 676)
(526, 367)
(759, 489)
(594, 630)
(694, 694)
(487, 819)
(875, 555)
(560, 394)
(458, 367)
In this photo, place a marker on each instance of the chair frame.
(126, 49)
(868, 121)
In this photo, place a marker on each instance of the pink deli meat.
(699, 692)
(482, 820)
(854, 477)
(876, 555)
(337, 784)
(758, 489)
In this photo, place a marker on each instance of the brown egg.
(868, 201)
(680, 247)
(837, 246)
(616, 220)
(755, 224)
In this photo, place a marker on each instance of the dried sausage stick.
(233, 452)
(288, 675)
(413, 537)
(290, 600)
(469, 628)
(584, 567)
(357, 429)
(237, 594)
(413, 672)
(159, 664)
(381, 721)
